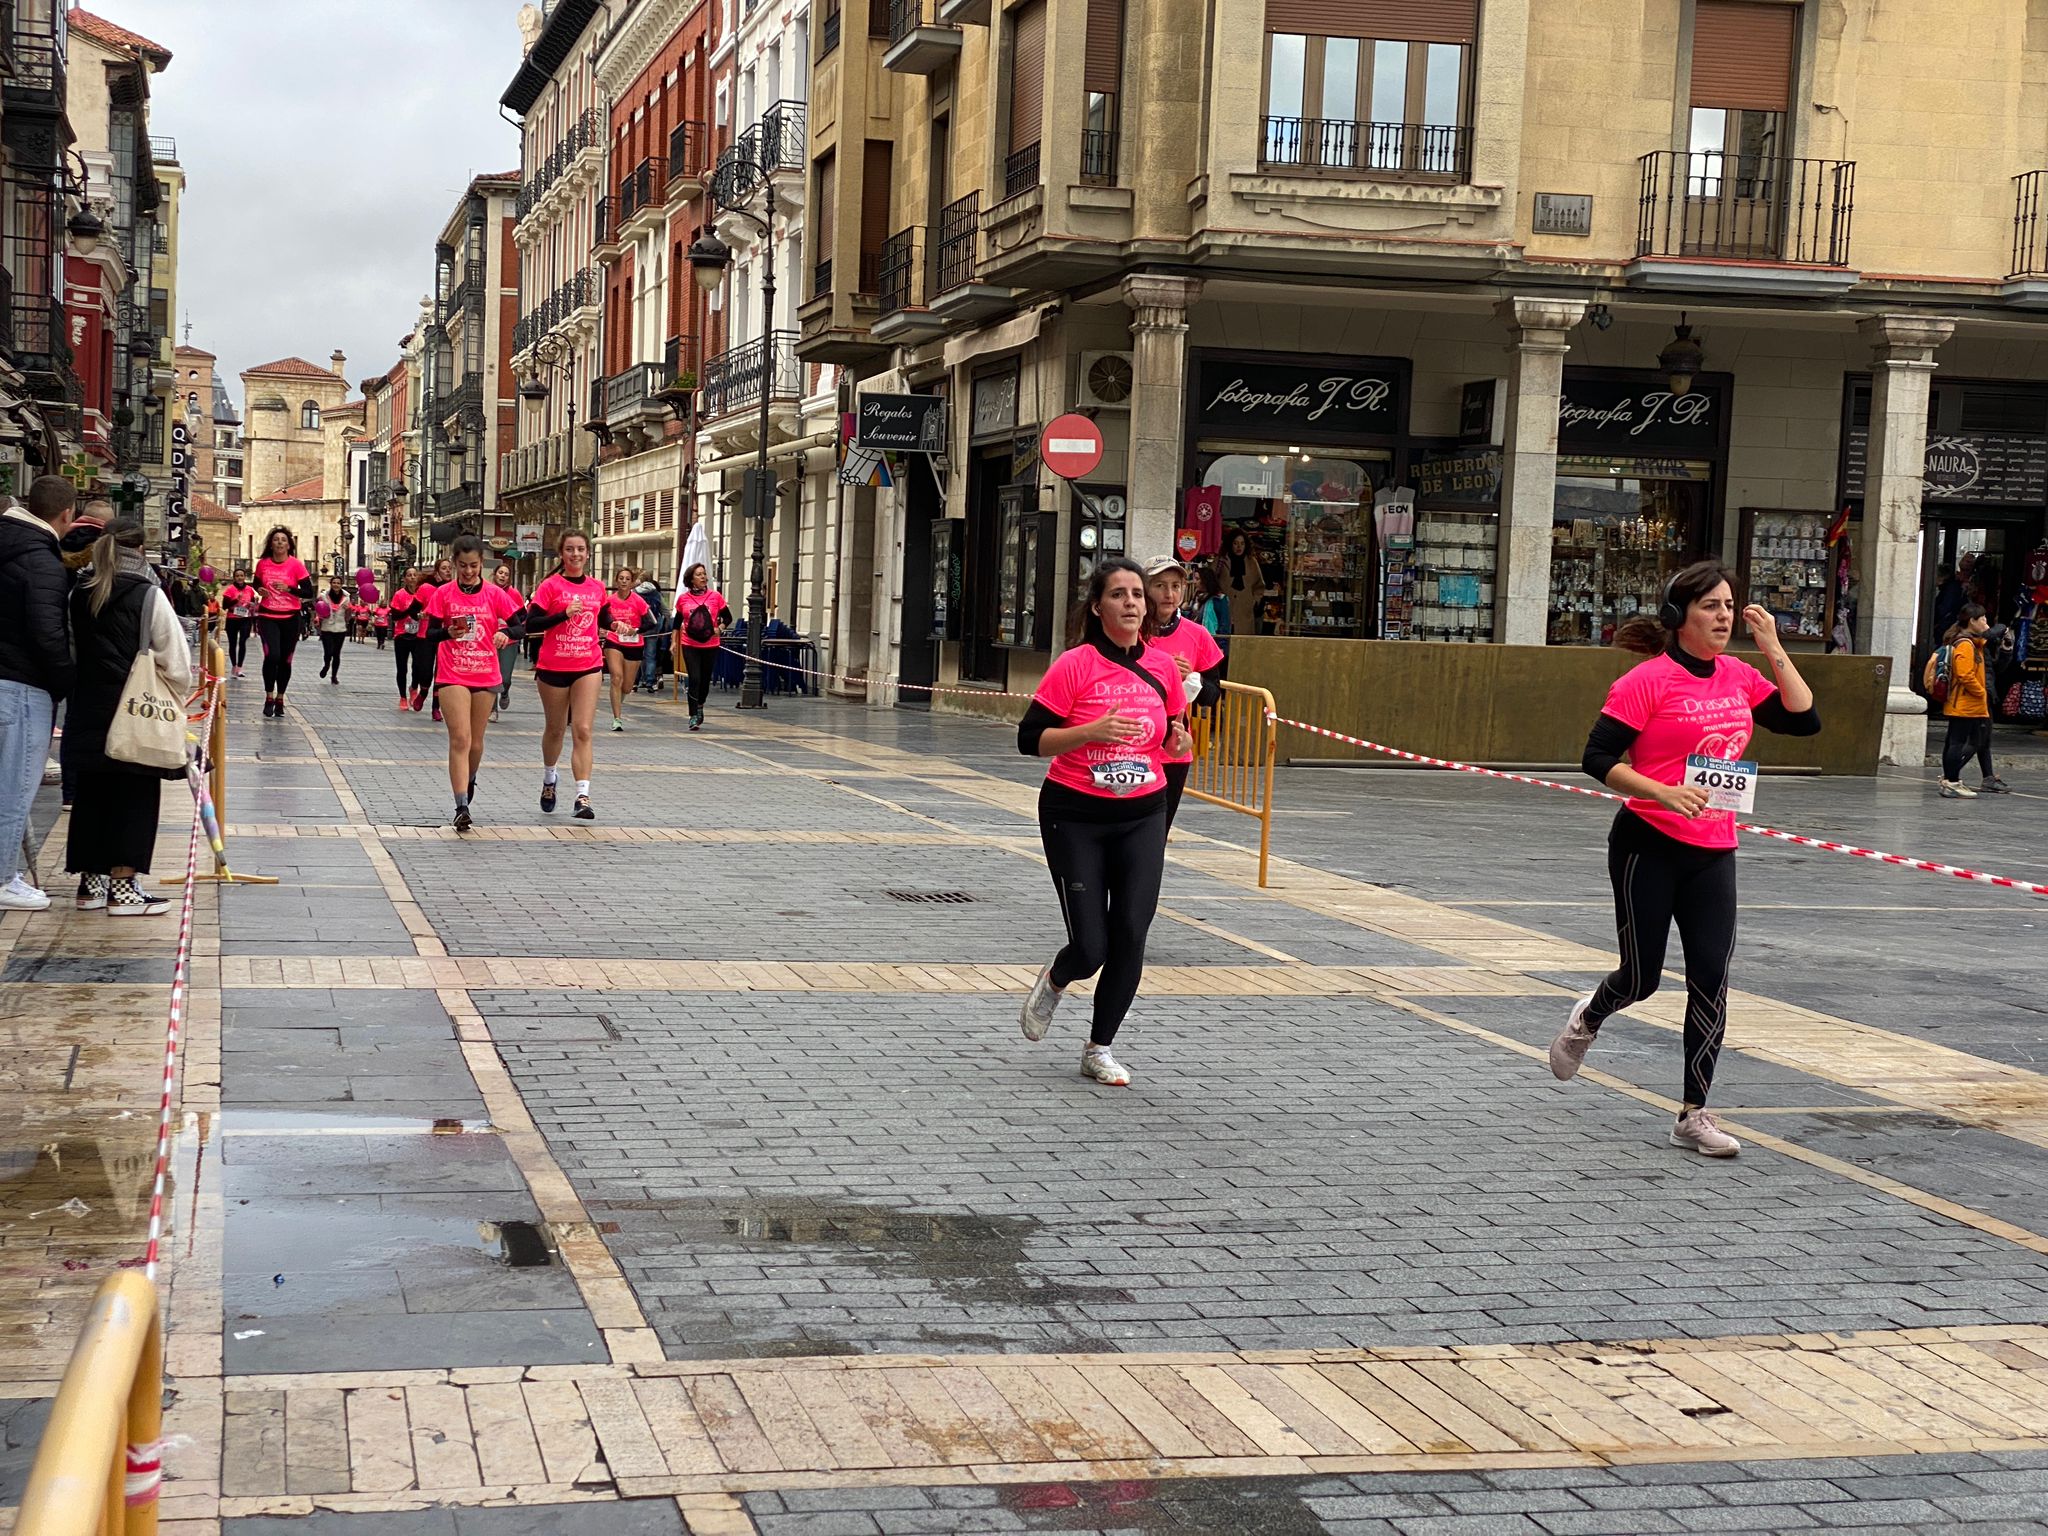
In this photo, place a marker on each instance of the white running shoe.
(1043, 998)
(19, 896)
(1568, 1050)
(1096, 1062)
(1696, 1132)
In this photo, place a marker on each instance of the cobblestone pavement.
(685, 1171)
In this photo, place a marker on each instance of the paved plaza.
(686, 1170)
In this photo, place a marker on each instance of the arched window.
(309, 416)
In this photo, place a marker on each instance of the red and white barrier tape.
(1929, 866)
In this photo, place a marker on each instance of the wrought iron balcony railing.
(1098, 156)
(35, 48)
(625, 393)
(686, 151)
(603, 222)
(1020, 172)
(1715, 204)
(2029, 225)
(735, 378)
(545, 459)
(781, 143)
(643, 187)
(1439, 151)
(959, 239)
(579, 292)
(903, 281)
(586, 132)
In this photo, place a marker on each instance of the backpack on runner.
(700, 627)
(1936, 676)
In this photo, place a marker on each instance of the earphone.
(1669, 614)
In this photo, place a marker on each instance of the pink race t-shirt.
(276, 580)
(1084, 685)
(238, 602)
(622, 618)
(469, 659)
(688, 603)
(409, 612)
(1195, 645)
(1675, 716)
(572, 645)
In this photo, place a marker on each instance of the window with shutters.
(822, 198)
(1369, 87)
(1740, 92)
(1102, 83)
(876, 169)
(1027, 97)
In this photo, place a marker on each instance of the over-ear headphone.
(1669, 614)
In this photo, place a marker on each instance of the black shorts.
(465, 687)
(630, 652)
(556, 679)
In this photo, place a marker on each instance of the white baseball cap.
(1159, 564)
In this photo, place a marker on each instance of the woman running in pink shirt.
(568, 612)
(1110, 713)
(1673, 737)
(472, 621)
(625, 647)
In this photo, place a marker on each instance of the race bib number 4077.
(1124, 777)
(1729, 786)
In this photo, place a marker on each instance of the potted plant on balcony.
(680, 386)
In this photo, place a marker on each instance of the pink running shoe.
(1696, 1132)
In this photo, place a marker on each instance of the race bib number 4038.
(1729, 786)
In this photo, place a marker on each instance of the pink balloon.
(206, 573)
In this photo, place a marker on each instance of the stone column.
(1528, 479)
(1159, 368)
(1902, 376)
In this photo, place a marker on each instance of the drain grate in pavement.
(932, 898)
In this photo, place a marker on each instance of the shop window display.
(1617, 538)
(1309, 522)
(1789, 570)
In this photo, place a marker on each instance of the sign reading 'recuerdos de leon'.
(1315, 399)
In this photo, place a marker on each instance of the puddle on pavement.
(1242, 1506)
(972, 1261)
(314, 1122)
(74, 1207)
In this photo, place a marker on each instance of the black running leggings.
(1107, 875)
(1966, 739)
(1658, 881)
(238, 640)
(698, 660)
(416, 657)
(279, 637)
(330, 646)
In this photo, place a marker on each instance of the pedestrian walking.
(649, 677)
(625, 647)
(568, 608)
(1211, 606)
(1243, 580)
(1195, 653)
(36, 668)
(1671, 737)
(408, 634)
(380, 621)
(1109, 713)
(334, 620)
(508, 656)
(284, 588)
(1967, 647)
(474, 623)
(701, 618)
(114, 614)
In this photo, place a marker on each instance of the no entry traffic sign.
(1071, 446)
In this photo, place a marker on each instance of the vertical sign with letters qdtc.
(177, 528)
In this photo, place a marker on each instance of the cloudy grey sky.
(326, 145)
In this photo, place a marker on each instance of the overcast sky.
(326, 145)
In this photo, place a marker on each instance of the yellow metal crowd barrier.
(99, 1464)
(1235, 743)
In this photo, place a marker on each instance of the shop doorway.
(1986, 550)
(918, 666)
(982, 659)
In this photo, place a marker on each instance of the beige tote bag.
(148, 730)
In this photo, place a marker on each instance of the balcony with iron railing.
(2029, 225)
(37, 81)
(779, 145)
(627, 393)
(643, 194)
(959, 241)
(1713, 205)
(1099, 157)
(604, 229)
(163, 149)
(906, 282)
(688, 158)
(465, 402)
(541, 462)
(1021, 172)
(919, 42)
(576, 296)
(1419, 151)
(584, 134)
(736, 377)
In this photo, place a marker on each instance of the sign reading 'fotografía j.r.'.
(901, 423)
(1615, 416)
(1316, 400)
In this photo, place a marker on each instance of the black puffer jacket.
(35, 635)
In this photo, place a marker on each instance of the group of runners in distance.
(456, 639)
(1113, 716)
(1113, 712)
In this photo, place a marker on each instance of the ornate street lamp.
(555, 356)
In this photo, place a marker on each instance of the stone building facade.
(1765, 282)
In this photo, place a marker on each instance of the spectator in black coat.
(36, 669)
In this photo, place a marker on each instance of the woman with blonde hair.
(114, 807)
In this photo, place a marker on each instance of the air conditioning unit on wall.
(1105, 381)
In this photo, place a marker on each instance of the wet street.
(686, 1170)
